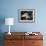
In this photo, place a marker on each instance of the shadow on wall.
(2, 21)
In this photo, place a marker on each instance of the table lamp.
(9, 21)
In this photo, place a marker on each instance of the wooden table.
(20, 39)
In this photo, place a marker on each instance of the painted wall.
(9, 8)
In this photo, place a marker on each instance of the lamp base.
(9, 33)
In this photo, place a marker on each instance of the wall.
(9, 8)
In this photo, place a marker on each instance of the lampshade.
(9, 21)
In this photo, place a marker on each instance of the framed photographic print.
(26, 15)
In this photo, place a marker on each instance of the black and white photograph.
(26, 15)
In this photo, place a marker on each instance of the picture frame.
(26, 15)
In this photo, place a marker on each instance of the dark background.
(30, 13)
